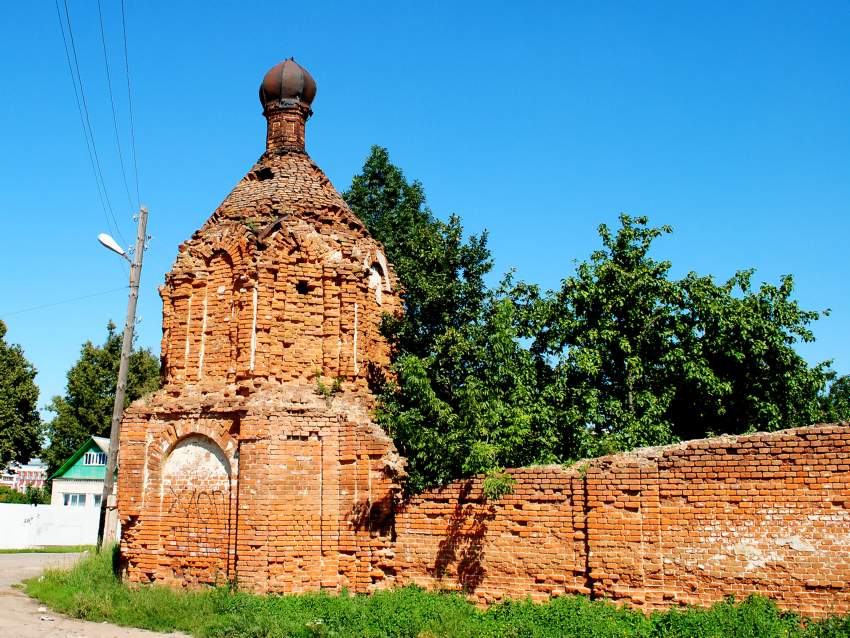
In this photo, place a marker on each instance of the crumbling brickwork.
(258, 461)
(683, 524)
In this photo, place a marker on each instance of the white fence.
(26, 526)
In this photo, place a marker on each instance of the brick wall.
(258, 461)
(286, 128)
(684, 524)
(284, 492)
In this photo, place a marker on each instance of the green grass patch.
(91, 591)
(56, 549)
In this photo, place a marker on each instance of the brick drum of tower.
(238, 469)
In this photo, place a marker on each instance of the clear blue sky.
(729, 121)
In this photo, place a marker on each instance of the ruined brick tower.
(258, 461)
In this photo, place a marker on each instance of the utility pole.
(106, 534)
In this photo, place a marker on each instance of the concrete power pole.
(108, 505)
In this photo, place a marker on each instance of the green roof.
(76, 468)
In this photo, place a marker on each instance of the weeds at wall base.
(91, 591)
(50, 549)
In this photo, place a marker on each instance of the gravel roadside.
(23, 617)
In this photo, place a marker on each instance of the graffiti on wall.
(196, 510)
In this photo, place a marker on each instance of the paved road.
(23, 617)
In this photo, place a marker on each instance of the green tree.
(441, 274)
(8, 495)
(86, 408)
(836, 403)
(609, 335)
(639, 358)
(472, 405)
(37, 495)
(32, 496)
(621, 355)
(463, 396)
(20, 424)
(739, 370)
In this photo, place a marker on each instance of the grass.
(55, 549)
(90, 590)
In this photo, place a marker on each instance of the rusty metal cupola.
(287, 84)
(286, 93)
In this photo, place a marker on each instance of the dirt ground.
(23, 617)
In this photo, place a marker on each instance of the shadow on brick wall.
(377, 517)
(463, 544)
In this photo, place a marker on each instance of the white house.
(79, 482)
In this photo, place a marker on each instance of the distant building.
(79, 482)
(7, 476)
(20, 476)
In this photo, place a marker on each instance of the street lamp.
(111, 244)
(107, 500)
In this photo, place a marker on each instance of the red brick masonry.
(258, 461)
(683, 524)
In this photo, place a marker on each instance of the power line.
(59, 303)
(82, 119)
(112, 104)
(88, 123)
(130, 102)
(90, 130)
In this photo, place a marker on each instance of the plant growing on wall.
(325, 390)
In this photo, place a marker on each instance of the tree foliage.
(621, 355)
(836, 403)
(8, 495)
(442, 274)
(20, 424)
(463, 399)
(640, 358)
(31, 496)
(86, 407)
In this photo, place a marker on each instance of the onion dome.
(287, 84)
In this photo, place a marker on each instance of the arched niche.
(378, 280)
(195, 510)
(217, 319)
